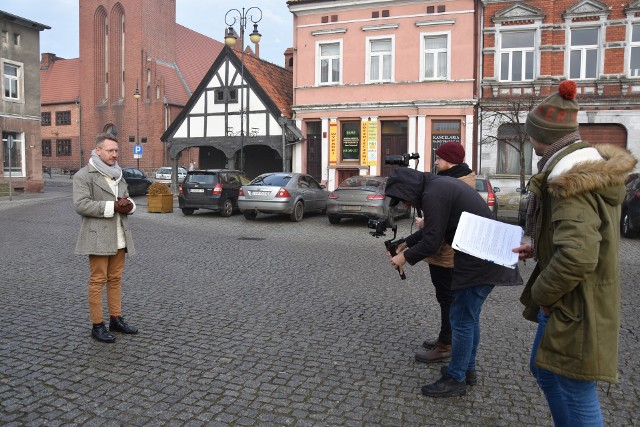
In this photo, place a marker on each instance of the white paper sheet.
(488, 239)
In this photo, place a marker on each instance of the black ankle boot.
(445, 387)
(100, 333)
(118, 324)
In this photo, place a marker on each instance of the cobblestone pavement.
(250, 323)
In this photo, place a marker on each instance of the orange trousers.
(105, 270)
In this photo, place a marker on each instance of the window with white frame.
(509, 146)
(13, 153)
(583, 53)
(380, 60)
(435, 58)
(12, 80)
(634, 55)
(329, 66)
(517, 56)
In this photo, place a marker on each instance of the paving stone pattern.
(254, 323)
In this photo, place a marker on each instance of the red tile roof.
(194, 54)
(60, 83)
(173, 85)
(276, 81)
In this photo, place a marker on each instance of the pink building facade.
(379, 77)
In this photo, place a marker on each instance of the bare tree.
(508, 114)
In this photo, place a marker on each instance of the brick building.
(529, 47)
(61, 113)
(126, 47)
(20, 104)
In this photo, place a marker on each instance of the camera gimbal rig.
(391, 244)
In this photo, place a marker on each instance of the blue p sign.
(137, 149)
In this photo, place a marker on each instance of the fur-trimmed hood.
(602, 168)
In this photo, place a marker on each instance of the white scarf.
(114, 172)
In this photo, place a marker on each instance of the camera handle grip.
(391, 247)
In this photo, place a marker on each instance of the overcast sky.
(204, 16)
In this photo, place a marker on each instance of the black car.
(630, 217)
(213, 189)
(137, 182)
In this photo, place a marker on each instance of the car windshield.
(164, 170)
(272, 180)
(481, 185)
(202, 178)
(361, 182)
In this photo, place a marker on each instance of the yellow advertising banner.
(364, 156)
(372, 142)
(333, 143)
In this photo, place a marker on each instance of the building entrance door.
(314, 150)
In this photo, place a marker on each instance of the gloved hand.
(123, 205)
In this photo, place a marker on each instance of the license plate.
(351, 208)
(197, 190)
(259, 193)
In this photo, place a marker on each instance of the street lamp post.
(233, 16)
(136, 95)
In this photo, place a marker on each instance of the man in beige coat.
(100, 196)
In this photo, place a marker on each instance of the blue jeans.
(572, 402)
(465, 328)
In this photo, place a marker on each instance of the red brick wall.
(54, 133)
(552, 61)
(151, 35)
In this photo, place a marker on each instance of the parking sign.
(137, 151)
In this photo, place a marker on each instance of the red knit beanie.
(556, 116)
(452, 152)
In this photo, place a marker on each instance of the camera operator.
(449, 162)
(442, 200)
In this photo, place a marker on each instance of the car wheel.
(250, 215)
(298, 212)
(187, 211)
(625, 227)
(227, 208)
(334, 219)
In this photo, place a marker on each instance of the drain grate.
(251, 238)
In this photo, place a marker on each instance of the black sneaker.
(118, 324)
(445, 387)
(100, 333)
(471, 377)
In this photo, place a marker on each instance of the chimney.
(288, 59)
(46, 60)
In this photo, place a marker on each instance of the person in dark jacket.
(574, 290)
(442, 200)
(449, 162)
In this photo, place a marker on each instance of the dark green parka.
(578, 272)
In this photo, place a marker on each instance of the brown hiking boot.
(440, 353)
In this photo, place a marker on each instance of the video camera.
(380, 226)
(402, 159)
